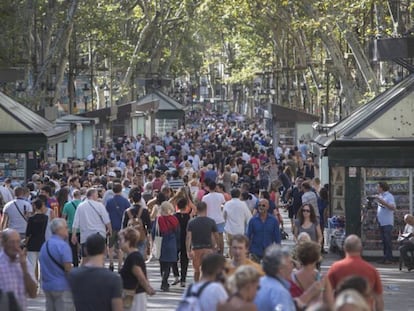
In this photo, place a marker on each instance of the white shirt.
(311, 198)
(16, 220)
(211, 296)
(214, 201)
(237, 216)
(6, 193)
(90, 217)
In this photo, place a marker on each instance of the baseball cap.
(111, 174)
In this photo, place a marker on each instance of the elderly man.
(14, 273)
(274, 286)
(55, 263)
(353, 264)
(406, 239)
(262, 231)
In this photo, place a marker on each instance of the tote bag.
(156, 248)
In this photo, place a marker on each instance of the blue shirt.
(53, 277)
(262, 234)
(116, 208)
(274, 293)
(384, 214)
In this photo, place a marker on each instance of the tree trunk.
(360, 57)
(58, 48)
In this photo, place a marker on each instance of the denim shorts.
(220, 227)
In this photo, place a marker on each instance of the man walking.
(210, 291)
(116, 208)
(236, 216)
(262, 231)
(91, 217)
(55, 263)
(16, 213)
(385, 216)
(93, 286)
(310, 197)
(353, 264)
(201, 238)
(68, 213)
(214, 201)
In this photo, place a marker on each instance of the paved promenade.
(398, 286)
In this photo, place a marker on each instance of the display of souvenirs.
(13, 165)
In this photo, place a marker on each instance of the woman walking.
(307, 222)
(134, 273)
(168, 228)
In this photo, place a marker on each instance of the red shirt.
(355, 265)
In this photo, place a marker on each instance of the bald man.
(353, 264)
(14, 273)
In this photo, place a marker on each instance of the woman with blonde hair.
(242, 285)
(168, 227)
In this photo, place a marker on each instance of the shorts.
(198, 255)
(220, 227)
(113, 240)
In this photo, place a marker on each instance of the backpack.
(191, 300)
(137, 224)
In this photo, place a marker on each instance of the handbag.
(156, 248)
(128, 297)
(284, 234)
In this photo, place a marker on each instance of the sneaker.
(176, 281)
(182, 284)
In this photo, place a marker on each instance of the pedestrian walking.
(56, 262)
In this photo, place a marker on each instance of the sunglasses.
(305, 211)
(262, 205)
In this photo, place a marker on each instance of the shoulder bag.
(100, 216)
(53, 258)
(18, 209)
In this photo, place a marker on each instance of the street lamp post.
(338, 89)
(107, 94)
(85, 90)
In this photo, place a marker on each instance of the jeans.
(405, 248)
(59, 301)
(386, 237)
(183, 265)
(75, 251)
(165, 272)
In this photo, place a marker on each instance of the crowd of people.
(187, 196)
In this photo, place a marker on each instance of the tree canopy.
(311, 55)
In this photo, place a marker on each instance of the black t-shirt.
(129, 281)
(201, 228)
(35, 230)
(183, 219)
(93, 288)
